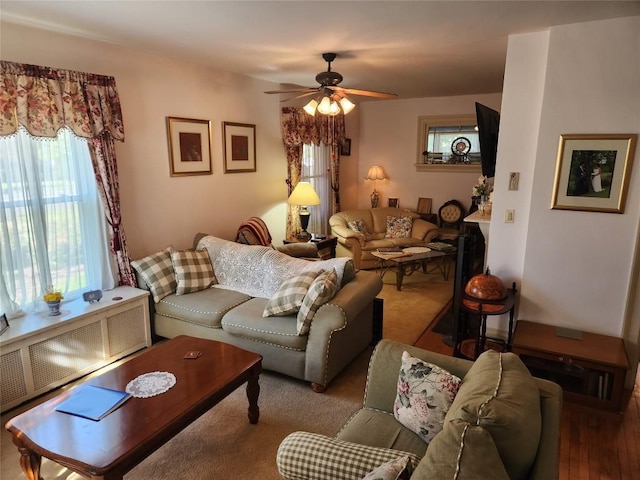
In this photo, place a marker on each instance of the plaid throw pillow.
(323, 288)
(157, 271)
(288, 298)
(194, 271)
(398, 227)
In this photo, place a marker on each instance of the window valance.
(43, 100)
(299, 128)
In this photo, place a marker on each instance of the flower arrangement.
(52, 295)
(482, 188)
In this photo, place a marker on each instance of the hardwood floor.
(593, 444)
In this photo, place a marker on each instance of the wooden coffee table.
(109, 448)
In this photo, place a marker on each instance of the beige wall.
(158, 209)
(388, 136)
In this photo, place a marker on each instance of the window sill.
(456, 168)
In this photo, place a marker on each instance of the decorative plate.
(150, 384)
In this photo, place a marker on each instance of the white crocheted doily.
(412, 250)
(150, 384)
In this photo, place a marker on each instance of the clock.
(461, 146)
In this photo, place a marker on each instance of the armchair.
(253, 231)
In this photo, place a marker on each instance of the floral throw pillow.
(397, 469)
(425, 393)
(359, 226)
(398, 227)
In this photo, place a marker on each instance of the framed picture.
(239, 147)
(189, 146)
(4, 323)
(393, 202)
(345, 148)
(593, 171)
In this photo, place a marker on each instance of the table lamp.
(375, 173)
(304, 195)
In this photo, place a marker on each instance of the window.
(316, 169)
(52, 223)
(441, 136)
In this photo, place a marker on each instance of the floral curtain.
(43, 100)
(299, 128)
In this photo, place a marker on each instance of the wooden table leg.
(253, 391)
(30, 461)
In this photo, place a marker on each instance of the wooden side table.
(589, 367)
(326, 245)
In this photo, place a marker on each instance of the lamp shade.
(304, 194)
(375, 173)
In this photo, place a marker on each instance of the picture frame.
(190, 143)
(393, 202)
(345, 148)
(4, 323)
(593, 172)
(239, 141)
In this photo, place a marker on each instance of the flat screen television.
(488, 125)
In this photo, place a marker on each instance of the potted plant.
(53, 297)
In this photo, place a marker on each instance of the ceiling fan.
(330, 97)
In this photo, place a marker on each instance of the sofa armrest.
(382, 379)
(547, 460)
(340, 327)
(311, 456)
(343, 232)
(299, 250)
(421, 229)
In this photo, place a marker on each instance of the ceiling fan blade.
(366, 93)
(293, 90)
(300, 96)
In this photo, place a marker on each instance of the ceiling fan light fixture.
(346, 105)
(334, 108)
(311, 107)
(325, 106)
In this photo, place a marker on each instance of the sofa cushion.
(343, 460)
(323, 288)
(397, 469)
(157, 271)
(193, 270)
(288, 298)
(424, 394)
(246, 321)
(398, 227)
(206, 307)
(367, 423)
(499, 394)
(462, 451)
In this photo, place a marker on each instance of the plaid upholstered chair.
(253, 231)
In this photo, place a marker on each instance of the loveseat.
(229, 286)
(502, 423)
(360, 232)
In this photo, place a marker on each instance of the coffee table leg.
(253, 391)
(29, 461)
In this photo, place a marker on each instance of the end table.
(326, 244)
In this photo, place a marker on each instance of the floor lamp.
(304, 195)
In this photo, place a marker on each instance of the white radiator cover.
(39, 353)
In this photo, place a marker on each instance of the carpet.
(410, 311)
(222, 443)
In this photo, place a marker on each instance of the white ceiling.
(412, 48)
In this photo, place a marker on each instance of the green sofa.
(502, 424)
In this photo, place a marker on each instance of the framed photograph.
(4, 323)
(593, 171)
(189, 146)
(345, 148)
(239, 147)
(393, 202)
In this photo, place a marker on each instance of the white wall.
(578, 269)
(388, 136)
(158, 209)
